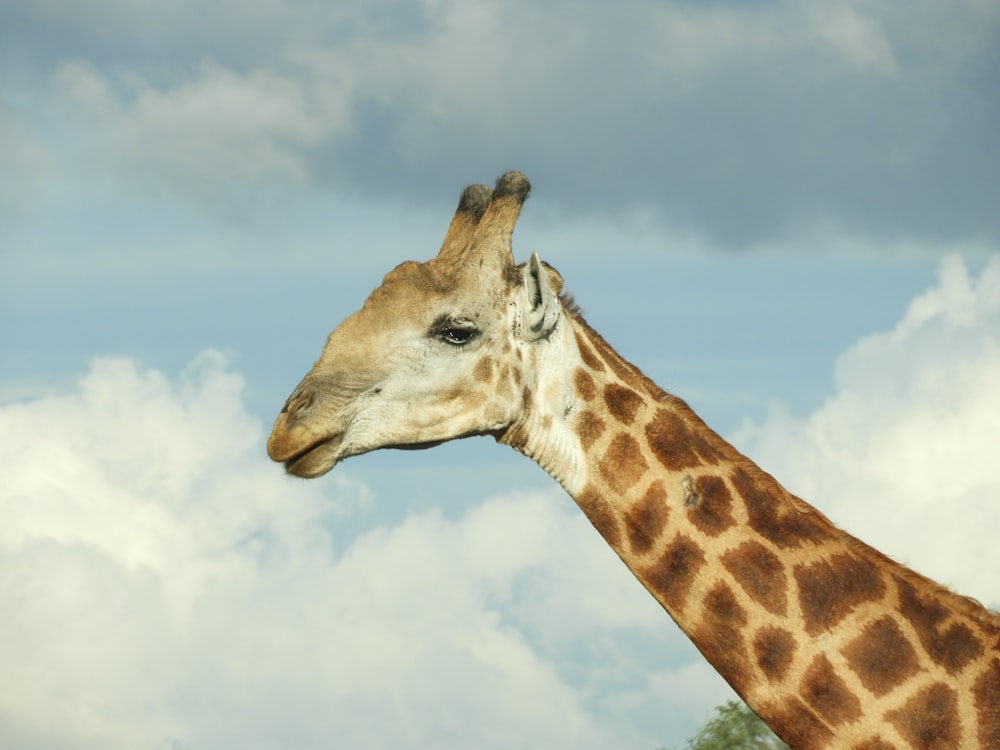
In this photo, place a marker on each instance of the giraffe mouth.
(304, 453)
(320, 457)
(316, 459)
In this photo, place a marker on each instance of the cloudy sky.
(785, 213)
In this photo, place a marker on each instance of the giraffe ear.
(542, 284)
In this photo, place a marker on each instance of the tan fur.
(831, 642)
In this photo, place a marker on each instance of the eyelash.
(454, 332)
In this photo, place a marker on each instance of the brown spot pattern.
(600, 514)
(483, 371)
(760, 573)
(584, 384)
(774, 649)
(719, 635)
(881, 656)
(614, 360)
(622, 464)
(953, 645)
(515, 375)
(829, 590)
(505, 387)
(674, 572)
(675, 444)
(874, 743)
(713, 511)
(623, 403)
(824, 690)
(589, 427)
(587, 354)
(646, 519)
(986, 698)
(797, 724)
(929, 720)
(771, 512)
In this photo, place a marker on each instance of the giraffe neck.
(831, 643)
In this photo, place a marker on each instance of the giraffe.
(833, 644)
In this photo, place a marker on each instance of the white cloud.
(164, 585)
(903, 454)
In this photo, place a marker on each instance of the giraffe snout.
(300, 400)
(306, 445)
(287, 433)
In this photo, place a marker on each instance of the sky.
(786, 214)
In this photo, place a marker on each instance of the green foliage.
(735, 727)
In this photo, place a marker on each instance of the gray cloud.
(740, 124)
(25, 166)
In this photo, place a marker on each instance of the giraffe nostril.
(298, 402)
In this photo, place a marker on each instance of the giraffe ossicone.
(829, 641)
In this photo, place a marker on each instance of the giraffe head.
(441, 350)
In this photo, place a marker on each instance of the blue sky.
(785, 214)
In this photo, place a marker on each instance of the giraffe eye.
(454, 331)
(458, 336)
